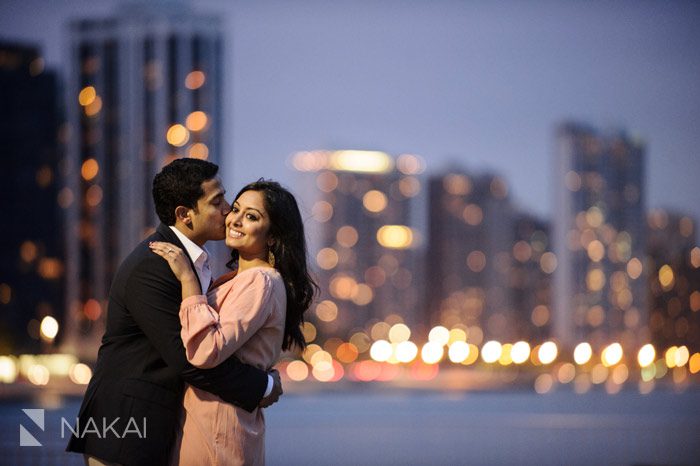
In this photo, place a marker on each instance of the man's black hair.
(180, 183)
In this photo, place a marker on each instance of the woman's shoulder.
(263, 274)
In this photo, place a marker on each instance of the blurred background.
(500, 202)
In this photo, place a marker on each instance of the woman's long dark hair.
(289, 248)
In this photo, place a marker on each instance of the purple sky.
(481, 84)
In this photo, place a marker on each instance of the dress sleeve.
(210, 337)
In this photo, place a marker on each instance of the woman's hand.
(177, 260)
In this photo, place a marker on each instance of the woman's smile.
(248, 225)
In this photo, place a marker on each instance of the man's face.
(210, 214)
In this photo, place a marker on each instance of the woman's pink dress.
(250, 324)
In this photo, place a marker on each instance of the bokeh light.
(547, 352)
(49, 328)
(432, 352)
(491, 351)
(646, 355)
(612, 354)
(583, 353)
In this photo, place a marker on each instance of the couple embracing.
(189, 356)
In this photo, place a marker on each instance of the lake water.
(382, 427)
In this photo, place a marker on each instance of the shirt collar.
(198, 255)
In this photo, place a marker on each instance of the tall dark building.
(365, 247)
(144, 88)
(469, 229)
(674, 281)
(599, 238)
(31, 264)
(489, 265)
(530, 282)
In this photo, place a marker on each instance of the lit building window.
(87, 96)
(195, 80)
(634, 268)
(686, 227)
(199, 150)
(499, 188)
(196, 121)
(395, 236)
(362, 295)
(457, 185)
(409, 164)
(361, 161)
(375, 276)
(409, 186)
(93, 196)
(347, 236)
(50, 268)
(327, 311)
(522, 251)
(540, 315)
(89, 169)
(595, 279)
(595, 316)
(5, 293)
(666, 277)
(343, 286)
(327, 258)
(177, 135)
(327, 181)
(322, 211)
(548, 262)
(473, 214)
(92, 309)
(65, 198)
(94, 107)
(695, 257)
(596, 251)
(374, 201)
(28, 251)
(476, 261)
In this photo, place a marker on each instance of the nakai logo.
(25, 438)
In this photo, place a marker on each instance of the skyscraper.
(674, 281)
(599, 237)
(486, 261)
(531, 278)
(32, 267)
(144, 88)
(364, 245)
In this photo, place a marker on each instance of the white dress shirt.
(199, 256)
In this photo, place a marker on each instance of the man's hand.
(276, 390)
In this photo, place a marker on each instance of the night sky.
(473, 84)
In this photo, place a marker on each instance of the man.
(131, 409)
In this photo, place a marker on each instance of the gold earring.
(270, 258)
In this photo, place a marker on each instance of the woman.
(253, 312)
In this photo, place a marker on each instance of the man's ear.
(182, 214)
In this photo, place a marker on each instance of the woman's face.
(248, 226)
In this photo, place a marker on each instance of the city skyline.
(149, 69)
(479, 84)
(498, 202)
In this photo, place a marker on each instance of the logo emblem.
(25, 438)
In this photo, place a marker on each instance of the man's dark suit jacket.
(141, 366)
